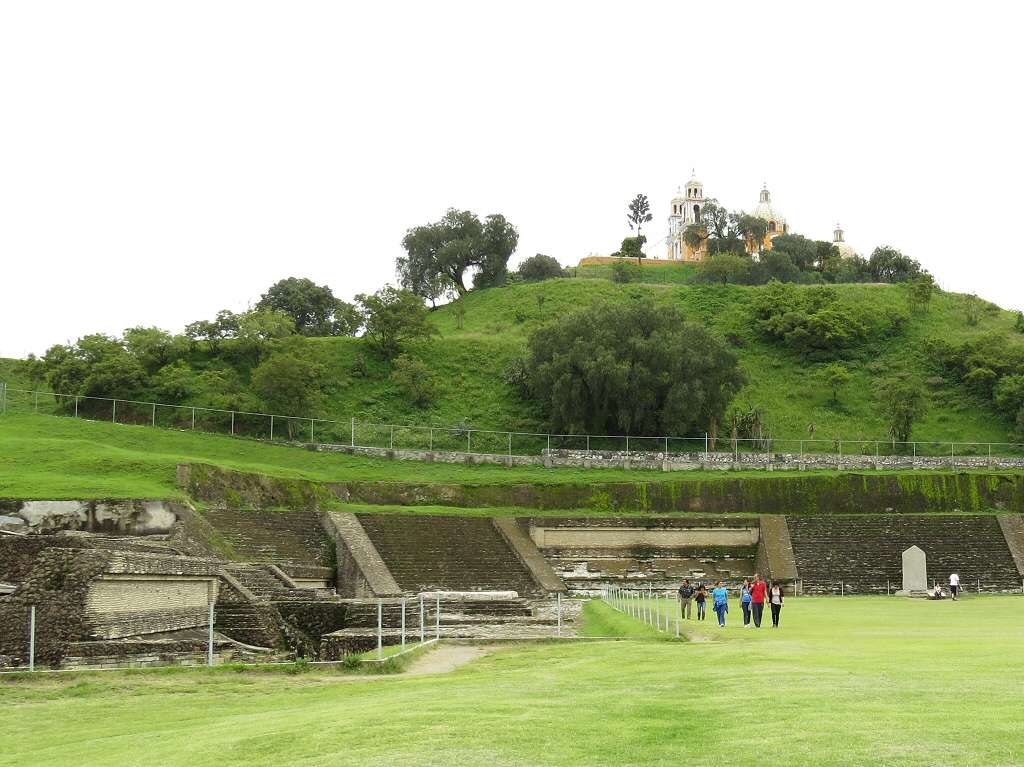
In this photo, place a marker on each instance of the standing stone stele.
(915, 572)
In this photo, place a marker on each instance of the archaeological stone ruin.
(119, 583)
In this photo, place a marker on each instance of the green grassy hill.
(470, 362)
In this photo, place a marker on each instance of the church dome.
(769, 213)
(846, 250)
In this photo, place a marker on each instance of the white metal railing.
(465, 439)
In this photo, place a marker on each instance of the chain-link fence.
(354, 433)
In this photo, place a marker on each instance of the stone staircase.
(282, 537)
(864, 552)
(461, 618)
(444, 553)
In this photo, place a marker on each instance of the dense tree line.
(261, 359)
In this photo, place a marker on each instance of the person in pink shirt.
(758, 596)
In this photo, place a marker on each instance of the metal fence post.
(380, 629)
(840, 464)
(193, 418)
(233, 424)
(76, 407)
(510, 444)
(312, 438)
(549, 443)
(469, 440)
(422, 619)
(113, 414)
(271, 428)
(431, 443)
(403, 623)
(842, 588)
(209, 637)
(32, 638)
(391, 443)
(353, 441)
(558, 598)
(154, 414)
(35, 402)
(437, 618)
(705, 446)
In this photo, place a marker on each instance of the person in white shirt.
(954, 585)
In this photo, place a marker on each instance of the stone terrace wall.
(428, 552)
(865, 551)
(785, 493)
(284, 538)
(660, 461)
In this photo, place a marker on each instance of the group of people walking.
(754, 595)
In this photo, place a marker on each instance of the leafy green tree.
(903, 402)
(288, 383)
(213, 332)
(638, 215)
(96, 365)
(415, 381)
(1018, 325)
(541, 267)
(972, 309)
(632, 247)
(919, 292)
(725, 268)
(835, 377)
(1009, 394)
(393, 318)
(34, 369)
(887, 264)
(633, 368)
(154, 348)
(256, 332)
(751, 230)
(778, 265)
(451, 246)
(314, 308)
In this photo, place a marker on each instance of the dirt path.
(445, 658)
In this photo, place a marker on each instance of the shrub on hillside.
(540, 267)
(393, 318)
(816, 323)
(415, 381)
(903, 402)
(630, 368)
(626, 271)
(991, 366)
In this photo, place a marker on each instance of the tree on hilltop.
(453, 245)
(314, 308)
(638, 215)
(903, 402)
(541, 267)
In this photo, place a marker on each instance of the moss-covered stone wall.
(848, 493)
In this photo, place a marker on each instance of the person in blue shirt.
(721, 602)
(745, 602)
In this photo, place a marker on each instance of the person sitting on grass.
(937, 593)
(701, 599)
(721, 597)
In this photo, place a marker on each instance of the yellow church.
(686, 207)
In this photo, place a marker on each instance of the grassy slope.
(470, 362)
(64, 458)
(916, 683)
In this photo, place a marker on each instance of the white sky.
(161, 161)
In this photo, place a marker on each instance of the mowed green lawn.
(854, 681)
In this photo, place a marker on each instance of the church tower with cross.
(685, 210)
